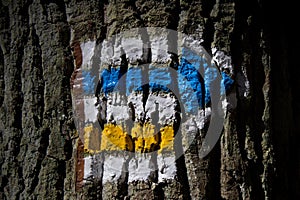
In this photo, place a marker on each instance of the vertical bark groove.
(257, 156)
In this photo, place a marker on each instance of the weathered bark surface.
(257, 156)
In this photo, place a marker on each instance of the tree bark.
(257, 156)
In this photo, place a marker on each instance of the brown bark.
(257, 156)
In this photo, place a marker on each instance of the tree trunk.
(43, 156)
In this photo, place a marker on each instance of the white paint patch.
(243, 83)
(199, 33)
(136, 99)
(230, 102)
(90, 110)
(161, 108)
(117, 52)
(193, 125)
(113, 48)
(112, 168)
(117, 113)
(87, 49)
(222, 60)
(107, 52)
(77, 86)
(192, 44)
(202, 117)
(159, 46)
(166, 167)
(117, 109)
(140, 167)
(87, 168)
(133, 48)
(189, 131)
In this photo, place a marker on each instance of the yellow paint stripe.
(91, 139)
(144, 139)
(114, 138)
(167, 139)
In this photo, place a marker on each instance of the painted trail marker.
(133, 103)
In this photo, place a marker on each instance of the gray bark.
(257, 156)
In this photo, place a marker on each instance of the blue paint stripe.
(109, 79)
(227, 82)
(134, 80)
(88, 82)
(159, 79)
(210, 75)
(193, 88)
(190, 86)
(197, 61)
(191, 64)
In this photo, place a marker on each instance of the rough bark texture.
(257, 156)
